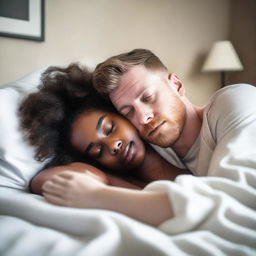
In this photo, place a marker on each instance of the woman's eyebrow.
(100, 121)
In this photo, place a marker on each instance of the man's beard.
(168, 133)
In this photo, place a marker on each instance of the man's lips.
(156, 129)
(128, 153)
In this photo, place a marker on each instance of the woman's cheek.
(110, 162)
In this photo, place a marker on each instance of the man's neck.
(191, 130)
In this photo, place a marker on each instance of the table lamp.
(222, 57)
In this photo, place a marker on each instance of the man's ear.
(178, 85)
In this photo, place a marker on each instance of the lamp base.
(223, 78)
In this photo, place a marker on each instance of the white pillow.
(17, 163)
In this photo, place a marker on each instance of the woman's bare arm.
(82, 191)
(39, 179)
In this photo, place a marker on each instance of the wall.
(243, 36)
(180, 32)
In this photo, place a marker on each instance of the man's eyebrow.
(136, 96)
(100, 121)
(140, 92)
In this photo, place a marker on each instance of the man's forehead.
(130, 85)
(124, 90)
(134, 83)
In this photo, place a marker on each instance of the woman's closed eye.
(110, 129)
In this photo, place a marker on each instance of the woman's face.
(109, 139)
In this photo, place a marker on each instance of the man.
(216, 140)
(140, 87)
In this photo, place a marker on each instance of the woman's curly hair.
(47, 115)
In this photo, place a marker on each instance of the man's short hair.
(107, 74)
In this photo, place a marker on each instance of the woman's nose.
(116, 146)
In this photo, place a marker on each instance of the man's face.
(152, 101)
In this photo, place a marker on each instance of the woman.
(72, 123)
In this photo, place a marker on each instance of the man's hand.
(73, 189)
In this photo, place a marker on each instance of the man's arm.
(83, 191)
(150, 207)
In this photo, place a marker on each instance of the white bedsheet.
(39, 228)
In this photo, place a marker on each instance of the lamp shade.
(222, 57)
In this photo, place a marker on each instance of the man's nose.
(144, 115)
(115, 146)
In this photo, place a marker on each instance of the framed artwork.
(22, 19)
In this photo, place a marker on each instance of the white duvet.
(39, 228)
(220, 225)
(213, 216)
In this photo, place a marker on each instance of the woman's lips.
(128, 153)
(155, 129)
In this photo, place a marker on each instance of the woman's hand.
(73, 189)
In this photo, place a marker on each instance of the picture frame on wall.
(22, 19)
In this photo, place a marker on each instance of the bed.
(213, 216)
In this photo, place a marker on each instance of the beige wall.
(179, 31)
(243, 36)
